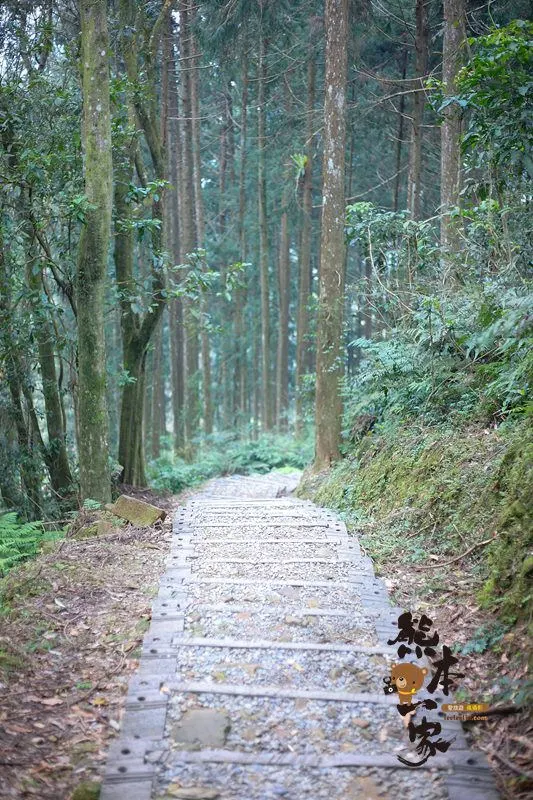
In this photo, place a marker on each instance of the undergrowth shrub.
(224, 454)
(20, 540)
(462, 353)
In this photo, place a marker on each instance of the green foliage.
(223, 454)
(496, 87)
(463, 352)
(468, 355)
(91, 505)
(20, 540)
(195, 279)
(391, 240)
(486, 637)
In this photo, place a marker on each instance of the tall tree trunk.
(10, 487)
(266, 389)
(27, 458)
(399, 140)
(158, 390)
(177, 369)
(187, 223)
(133, 349)
(60, 475)
(366, 300)
(226, 343)
(93, 249)
(207, 402)
(329, 367)
(147, 414)
(282, 373)
(240, 337)
(55, 454)
(174, 165)
(138, 328)
(304, 283)
(415, 154)
(223, 165)
(256, 375)
(453, 42)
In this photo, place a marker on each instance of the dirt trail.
(261, 675)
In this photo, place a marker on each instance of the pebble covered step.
(261, 675)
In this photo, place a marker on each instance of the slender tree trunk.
(55, 455)
(133, 350)
(304, 284)
(58, 464)
(93, 249)
(177, 368)
(157, 392)
(147, 414)
(282, 376)
(266, 389)
(223, 165)
(329, 366)
(28, 461)
(240, 337)
(399, 140)
(10, 488)
(196, 143)
(227, 311)
(187, 225)
(256, 375)
(366, 313)
(453, 43)
(207, 400)
(174, 166)
(414, 184)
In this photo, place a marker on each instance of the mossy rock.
(87, 532)
(102, 527)
(88, 790)
(48, 547)
(136, 511)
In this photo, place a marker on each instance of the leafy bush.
(463, 351)
(222, 454)
(496, 88)
(20, 540)
(467, 355)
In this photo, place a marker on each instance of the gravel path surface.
(262, 672)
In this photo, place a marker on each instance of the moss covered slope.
(435, 493)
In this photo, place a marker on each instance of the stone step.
(198, 540)
(270, 582)
(285, 502)
(321, 570)
(256, 532)
(334, 671)
(238, 518)
(357, 628)
(289, 597)
(269, 550)
(219, 774)
(259, 515)
(283, 724)
(261, 675)
(156, 648)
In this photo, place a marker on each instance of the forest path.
(262, 673)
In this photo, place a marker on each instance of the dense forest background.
(224, 222)
(246, 235)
